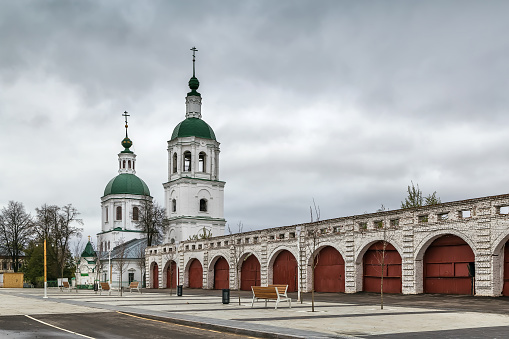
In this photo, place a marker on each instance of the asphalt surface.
(110, 325)
(200, 314)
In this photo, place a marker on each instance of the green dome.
(89, 251)
(193, 127)
(126, 183)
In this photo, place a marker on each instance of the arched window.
(203, 205)
(187, 161)
(172, 240)
(174, 162)
(123, 164)
(201, 162)
(129, 164)
(174, 205)
(119, 213)
(136, 213)
(106, 214)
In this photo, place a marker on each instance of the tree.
(151, 220)
(237, 250)
(381, 256)
(15, 231)
(313, 243)
(120, 262)
(56, 225)
(140, 262)
(414, 198)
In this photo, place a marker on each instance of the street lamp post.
(45, 275)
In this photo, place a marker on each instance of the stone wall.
(483, 223)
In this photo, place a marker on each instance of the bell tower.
(194, 195)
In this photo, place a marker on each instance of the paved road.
(111, 325)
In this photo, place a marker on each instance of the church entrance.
(195, 274)
(449, 266)
(373, 269)
(171, 275)
(329, 271)
(155, 275)
(250, 273)
(285, 270)
(221, 274)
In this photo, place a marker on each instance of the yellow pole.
(45, 273)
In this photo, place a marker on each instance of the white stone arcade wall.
(483, 223)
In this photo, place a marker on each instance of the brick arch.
(193, 272)
(170, 274)
(447, 264)
(373, 270)
(423, 245)
(154, 275)
(368, 243)
(221, 273)
(329, 269)
(284, 269)
(250, 271)
(500, 264)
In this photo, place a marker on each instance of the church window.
(123, 164)
(106, 213)
(174, 205)
(172, 241)
(129, 164)
(187, 161)
(101, 247)
(174, 162)
(133, 164)
(108, 245)
(136, 213)
(203, 205)
(119, 213)
(201, 162)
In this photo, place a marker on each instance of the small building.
(86, 269)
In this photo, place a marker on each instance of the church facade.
(457, 247)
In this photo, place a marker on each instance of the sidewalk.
(337, 315)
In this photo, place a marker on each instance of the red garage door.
(155, 276)
(285, 270)
(446, 266)
(329, 271)
(373, 269)
(250, 273)
(171, 275)
(195, 274)
(221, 274)
(505, 290)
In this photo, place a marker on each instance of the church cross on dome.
(125, 115)
(194, 58)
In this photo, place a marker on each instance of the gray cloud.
(344, 102)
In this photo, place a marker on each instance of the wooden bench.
(135, 285)
(66, 286)
(106, 287)
(271, 292)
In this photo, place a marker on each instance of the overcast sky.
(345, 102)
